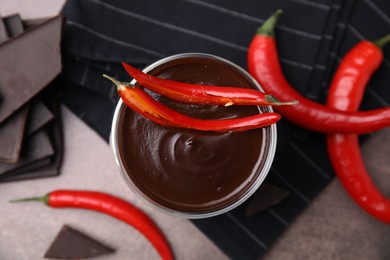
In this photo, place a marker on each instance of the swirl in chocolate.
(189, 170)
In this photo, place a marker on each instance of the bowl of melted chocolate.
(189, 173)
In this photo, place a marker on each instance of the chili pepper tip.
(268, 27)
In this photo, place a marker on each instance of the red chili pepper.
(110, 205)
(135, 98)
(203, 94)
(264, 66)
(346, 93)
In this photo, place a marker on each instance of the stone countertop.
(334, 226)
(27, 229)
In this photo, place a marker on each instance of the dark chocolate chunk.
(35, 148)
(11, 136)
(39, 116)
(29, 62)
(72, 244)
(265, 197)
(12, 129)
(54, 129)
(22, 172)
(3, 31)
(35, 165)
(44, 172)
(14, 25)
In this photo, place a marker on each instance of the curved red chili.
(264, 66)
(135, 98)
(203, 94)
(345, 93)
(110, 205)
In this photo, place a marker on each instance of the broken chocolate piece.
(11, 136)
(54, 129)
(12, 129)
(37, 164)
(3, 31)
(44, 172)
(14, 25)
(29, 62)
(35, 148)
(39, 116)
(265, 197)
(72, 244)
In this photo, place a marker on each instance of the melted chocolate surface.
(189, 170)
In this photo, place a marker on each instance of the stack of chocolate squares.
(30, 123)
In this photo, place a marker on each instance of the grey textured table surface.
(332, 227)
(26, 230)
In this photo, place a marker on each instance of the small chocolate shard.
(36, 148)
(43, 172)
(39, 116)
(35, 165)
(72, 244)
(265, 197)
(3, 31)
(11, 136)
(14, 25)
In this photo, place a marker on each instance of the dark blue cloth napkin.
(312, 37)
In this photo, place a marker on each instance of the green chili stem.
(268, 27)
(382, 41)
(43, 199)
(275, 101)
(117, 83)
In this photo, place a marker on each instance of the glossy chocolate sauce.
(186, 170)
